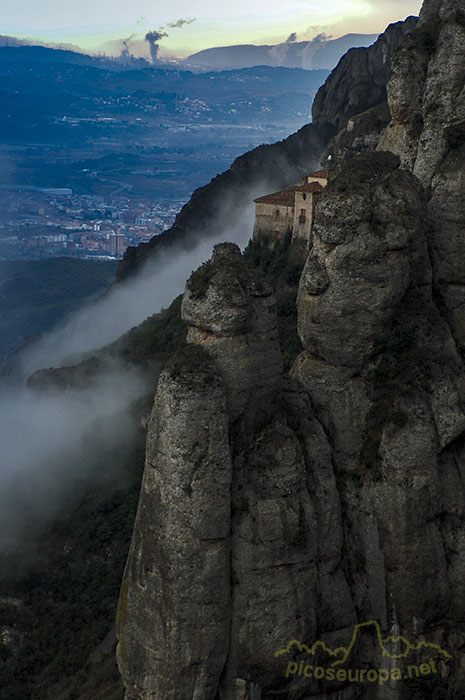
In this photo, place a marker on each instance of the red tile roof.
(309, 187)
(319, 173)
(287, 197)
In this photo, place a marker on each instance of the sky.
(90, 24)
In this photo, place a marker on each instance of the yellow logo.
(343, 653)
(392, 647)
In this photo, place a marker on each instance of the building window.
(302, 217)
(276, 215)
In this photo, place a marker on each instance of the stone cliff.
(285, 509)
(359, 81)
(427, 130)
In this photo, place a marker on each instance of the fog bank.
(53, 440)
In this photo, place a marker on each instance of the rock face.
(359, 81)
(328, 504)
(427, 104)
(174, 612)
(360, 265)
(280, 507)
(378, 365)
(228, 508)
(232, 313)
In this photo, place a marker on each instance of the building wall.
(272, 221)
(303, 216)
(321, 180)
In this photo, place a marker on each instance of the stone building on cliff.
(290, 211)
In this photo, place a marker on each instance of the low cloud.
(53, 441)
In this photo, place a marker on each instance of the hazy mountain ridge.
(321, 52)
(152, 93)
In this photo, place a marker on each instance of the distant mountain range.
(111, 98)
(316, 54)
(26, 53)
(319, 53)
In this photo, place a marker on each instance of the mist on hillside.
(53, 440)
(129, 303)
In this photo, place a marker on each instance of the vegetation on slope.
(162, 334)
(155, 338)
(34, 295)
(283, 266)
(58, 595)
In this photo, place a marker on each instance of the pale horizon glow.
(90, 26)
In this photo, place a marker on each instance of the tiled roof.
(309, 187)
(287, 197)
(319, 173)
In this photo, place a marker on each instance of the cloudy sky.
(91, 23)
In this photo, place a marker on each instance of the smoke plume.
(280, 53)
(180, 23)
(125, 53)
(153, 37)
(310, 48)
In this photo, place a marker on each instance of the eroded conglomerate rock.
(280, 507)
(387, 382)
(231, 312)
(361, 134)
(360, 265)
(426, 96)
(174, 609)
(359, 81)
(273, 571)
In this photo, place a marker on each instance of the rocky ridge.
(279, 507)
(427, 130)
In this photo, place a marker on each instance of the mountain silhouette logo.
(393, 647)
